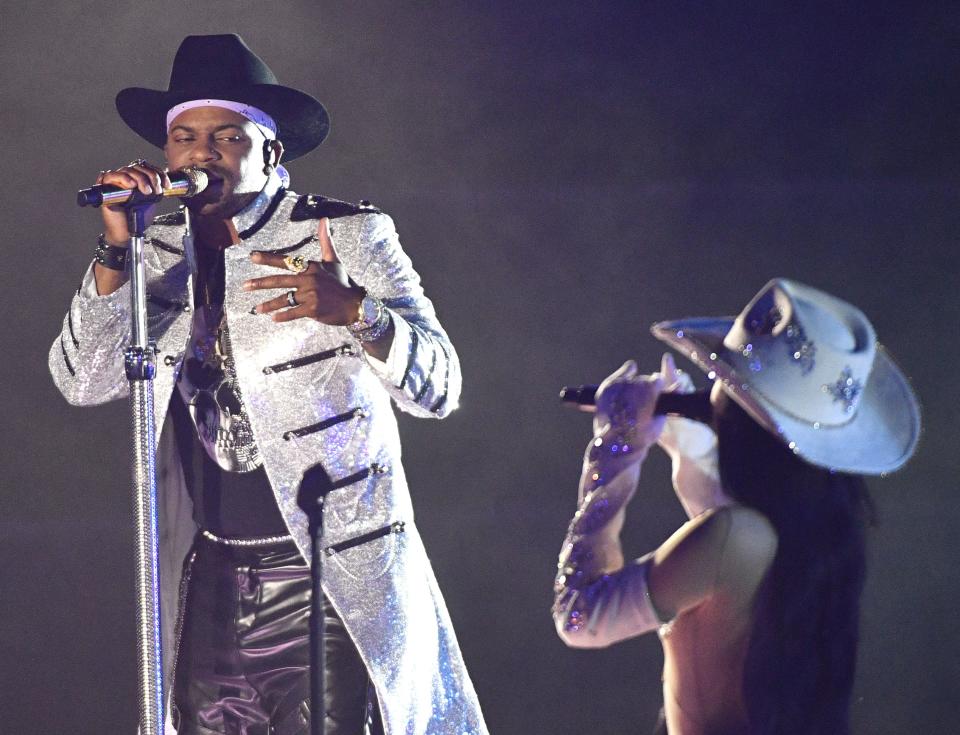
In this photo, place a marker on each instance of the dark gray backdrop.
(562, 174)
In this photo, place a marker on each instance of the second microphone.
(694, 406)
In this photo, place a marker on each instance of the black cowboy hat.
(223, 67)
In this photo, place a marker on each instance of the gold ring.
(295, 263)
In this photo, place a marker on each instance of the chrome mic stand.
(140, 367)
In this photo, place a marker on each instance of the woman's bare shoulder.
(748, 530)
(748, 551)
(751, 532)
(725, 550)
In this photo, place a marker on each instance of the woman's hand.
(682, 436)
(692, 448)
(625, 404)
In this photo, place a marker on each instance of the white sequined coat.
(313, 397)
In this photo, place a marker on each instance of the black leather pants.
(243, 664)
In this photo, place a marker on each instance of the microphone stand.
(139, 360)
(314, 488)
(313, 491)
(140, 367)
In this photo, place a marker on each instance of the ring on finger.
(295, 263)
(137, 162)
(292, 299)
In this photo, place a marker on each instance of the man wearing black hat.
(284, 326)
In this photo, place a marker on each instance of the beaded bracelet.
(110, 256)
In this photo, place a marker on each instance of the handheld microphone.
(186, 182)
(694, 405)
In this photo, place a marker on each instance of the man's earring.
(267, 155)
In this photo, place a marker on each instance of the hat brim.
(302, 121)
(880, 438)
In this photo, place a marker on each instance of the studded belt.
(252, 541)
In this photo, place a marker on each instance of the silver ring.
(291, 299)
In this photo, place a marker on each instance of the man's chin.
(206, 209)
(223, 207)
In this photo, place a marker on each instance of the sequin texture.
(846, 390)
(588, 601)
(384, 590)
(802, 351)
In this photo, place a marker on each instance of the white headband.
(265, 124)
(258, 117)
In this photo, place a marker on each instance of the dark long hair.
(800, 663)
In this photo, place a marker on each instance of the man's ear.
(276, 150)
(272, 152)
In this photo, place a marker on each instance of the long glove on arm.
(598, 600)
(692, 448)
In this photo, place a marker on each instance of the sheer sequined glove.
(624, 405)
(692, 448)
(598, 600)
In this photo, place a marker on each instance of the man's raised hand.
(321, 291)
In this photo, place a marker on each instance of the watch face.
(369, 310)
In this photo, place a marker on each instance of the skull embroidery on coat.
(208, 384)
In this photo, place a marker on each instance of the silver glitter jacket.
(315, 399)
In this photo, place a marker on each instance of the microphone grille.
(197, 180)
